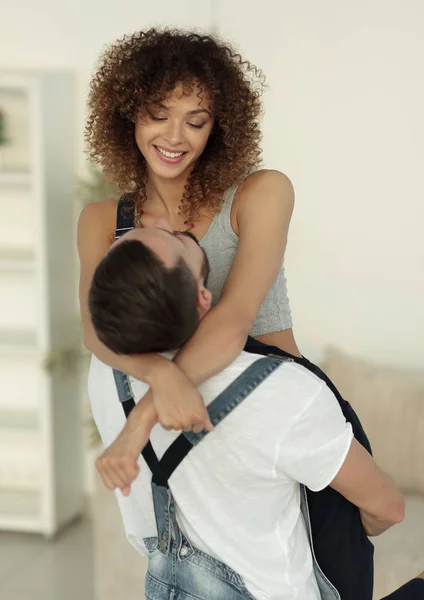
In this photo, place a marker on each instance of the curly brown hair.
(144, 69)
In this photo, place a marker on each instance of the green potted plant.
(94, 187)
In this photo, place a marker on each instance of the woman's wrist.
(144, 415)
(150, 368)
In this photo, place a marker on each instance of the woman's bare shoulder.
(99, 216)
(263, 185)
(265, 178)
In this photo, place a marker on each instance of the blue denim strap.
(226, 402)
(222, 406)
(164, 508)
(123, 386)
(236, 392)
(126, 398)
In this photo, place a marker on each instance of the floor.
(32, 568)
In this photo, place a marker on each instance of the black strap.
(128, 405)
(255, 347)
(149, 455)
(161, 470)
(178, 450)
(125, 215)
(174, 456)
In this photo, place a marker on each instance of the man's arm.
(363, 483)
(318, 449)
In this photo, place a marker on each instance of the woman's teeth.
(169, 154)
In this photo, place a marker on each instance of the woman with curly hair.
(174, 123)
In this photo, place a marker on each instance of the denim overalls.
(177, 570)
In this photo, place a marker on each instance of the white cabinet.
(41, 457)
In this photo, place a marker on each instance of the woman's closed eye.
(194, 125)
(155, 118)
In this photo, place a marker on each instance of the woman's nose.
(174, 133)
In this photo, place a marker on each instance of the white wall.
(70, 34)
(344, 119)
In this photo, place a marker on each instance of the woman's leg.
(413, 590)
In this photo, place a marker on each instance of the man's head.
(148, 293)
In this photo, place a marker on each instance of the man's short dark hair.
(137, 304)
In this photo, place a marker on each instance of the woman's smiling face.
(172, 135)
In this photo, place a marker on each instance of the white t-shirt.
(237, 492)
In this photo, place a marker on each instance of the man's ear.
(204, 300)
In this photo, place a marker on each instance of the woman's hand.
(118, 465)
(174, 402)
(178, 404)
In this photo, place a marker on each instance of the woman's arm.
(262, 211)
(95, 236)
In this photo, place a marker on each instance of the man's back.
(236, 492)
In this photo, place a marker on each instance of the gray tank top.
(220, 244)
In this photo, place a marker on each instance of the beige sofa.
(390, 404)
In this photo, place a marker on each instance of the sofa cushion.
(399, 552)
(390, 404)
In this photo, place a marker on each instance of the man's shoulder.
(287, 380)
(288, 370)
(292, 378)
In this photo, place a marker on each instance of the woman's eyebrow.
(196, 111)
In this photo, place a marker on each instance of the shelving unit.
(41, 464)
(17, 179)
